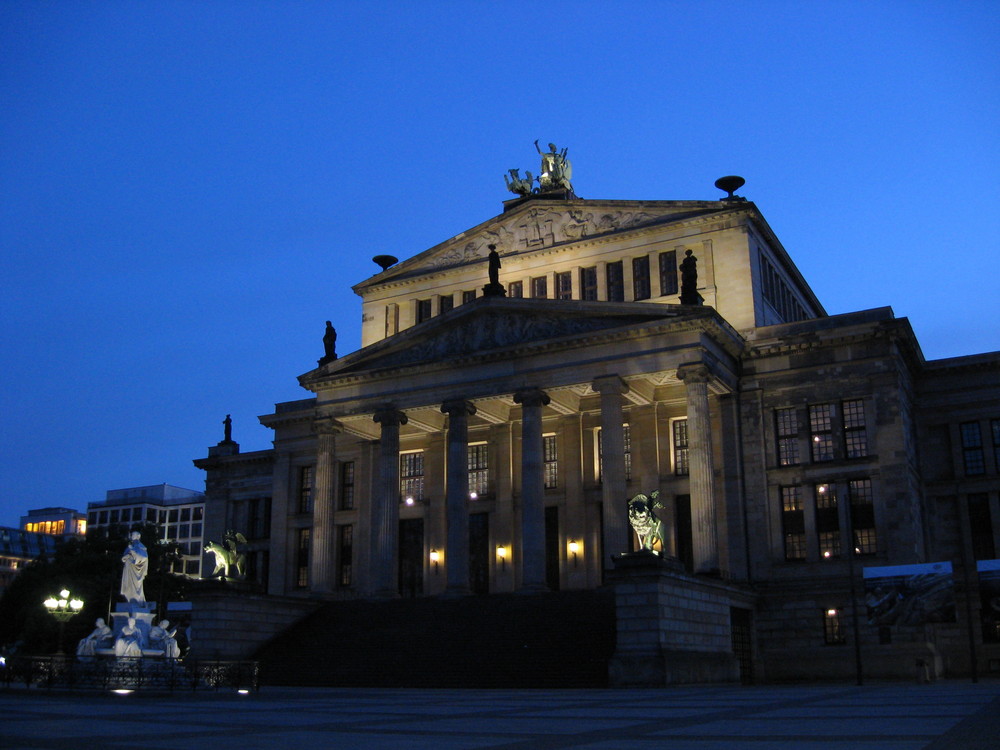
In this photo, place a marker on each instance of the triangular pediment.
(541, 224)
(496, 327)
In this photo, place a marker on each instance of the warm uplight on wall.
(502, 556)
(435, 559)
(574, 550)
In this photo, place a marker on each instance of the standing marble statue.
(99, 638)
(136, 561)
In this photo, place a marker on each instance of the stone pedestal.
(672, 627)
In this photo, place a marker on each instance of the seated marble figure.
(162, 638)
(98, 639)
(130, 641)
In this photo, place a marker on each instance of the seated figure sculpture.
(130, 640)
(161, 637)
(99, 638)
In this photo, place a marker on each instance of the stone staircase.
(559, 639)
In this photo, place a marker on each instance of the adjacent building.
(178, 512)
(62, 522)
(502, 410)
(18, 548)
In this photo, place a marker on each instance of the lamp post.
(63, 608)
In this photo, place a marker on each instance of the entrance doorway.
(411, 557)
(479, 553)
(685, 541)
(552, 548)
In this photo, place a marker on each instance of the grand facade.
(486, 440)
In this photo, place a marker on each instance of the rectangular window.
(447, 302)
(995, 427)
(640, 278)
(626, 451)
(515, 289)
(793, 523)
(423, 310)
(151, 515)
(411, 477)
(862, 516)
(827, 521)
(564, 285)
(468, 296)
(345, 555)
(347, 485)
(302, 559)
(616, 282)
(539, 287)
(668, 273)
(680, 440)
(550, 456)
(972, 448)
(981, 524)
(172, 515)
(821, 432)
(479, 470)
(103, 517)
(588, 283)
(305, 489)
(833, 627)
(787, 431)
(855, 431)
(185, 515)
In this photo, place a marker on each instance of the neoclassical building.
(488, 433)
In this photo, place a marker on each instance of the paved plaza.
(958, 715)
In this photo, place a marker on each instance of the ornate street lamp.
(63, 609)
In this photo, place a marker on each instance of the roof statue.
(555, 175)
(329, 344)
(494, 288)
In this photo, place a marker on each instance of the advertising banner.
(989, 592)
(909, 594)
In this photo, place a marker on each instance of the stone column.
(321, 552)
(385, 505)
(277, 576)
(456, 560)
(613, 490)
(701, 470)
(532, 489)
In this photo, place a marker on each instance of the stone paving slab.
(942, 716)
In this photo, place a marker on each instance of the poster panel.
(989, 593)
(909, 594)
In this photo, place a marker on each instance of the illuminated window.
(787, 431)
(640, 278)
(827, 521)
(668, 273)
(588, 283)
(833, 627)
(305, 489)
(626, 451)
(855, 431)
(551, 461)
(793, 523)
(564, 285)
(539, 287)
(821, 432)
(479, 471)
(972, 449)
(862, 501)
(411, 476)
(679, 438)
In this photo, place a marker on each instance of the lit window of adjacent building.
(981, 523)
(588, 283)
(787, 430)
(347, 485)
(550, 456)
(468, 296)
(411, 477)
(479, 469)
(827, 521)
(833, 627)
(640, 278)
(539, 287)
(679, 437)
(423, 310)
(855, 429)
(302, 558)
(564, 285)
(305, 489)
(862, 516)
(447, 303)
(616, 281)
(668, 273)
(515, 289)
(972, 448)
(345, 555)
(821, 432)
(793, 523)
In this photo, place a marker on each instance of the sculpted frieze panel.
(539, 228)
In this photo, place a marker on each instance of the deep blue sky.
(189, 189)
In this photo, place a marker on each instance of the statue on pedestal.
(130, 640)
(99, 638)
(689, 280)
(136, 561)
(556, 170)
(644, 521)
(329, 343)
